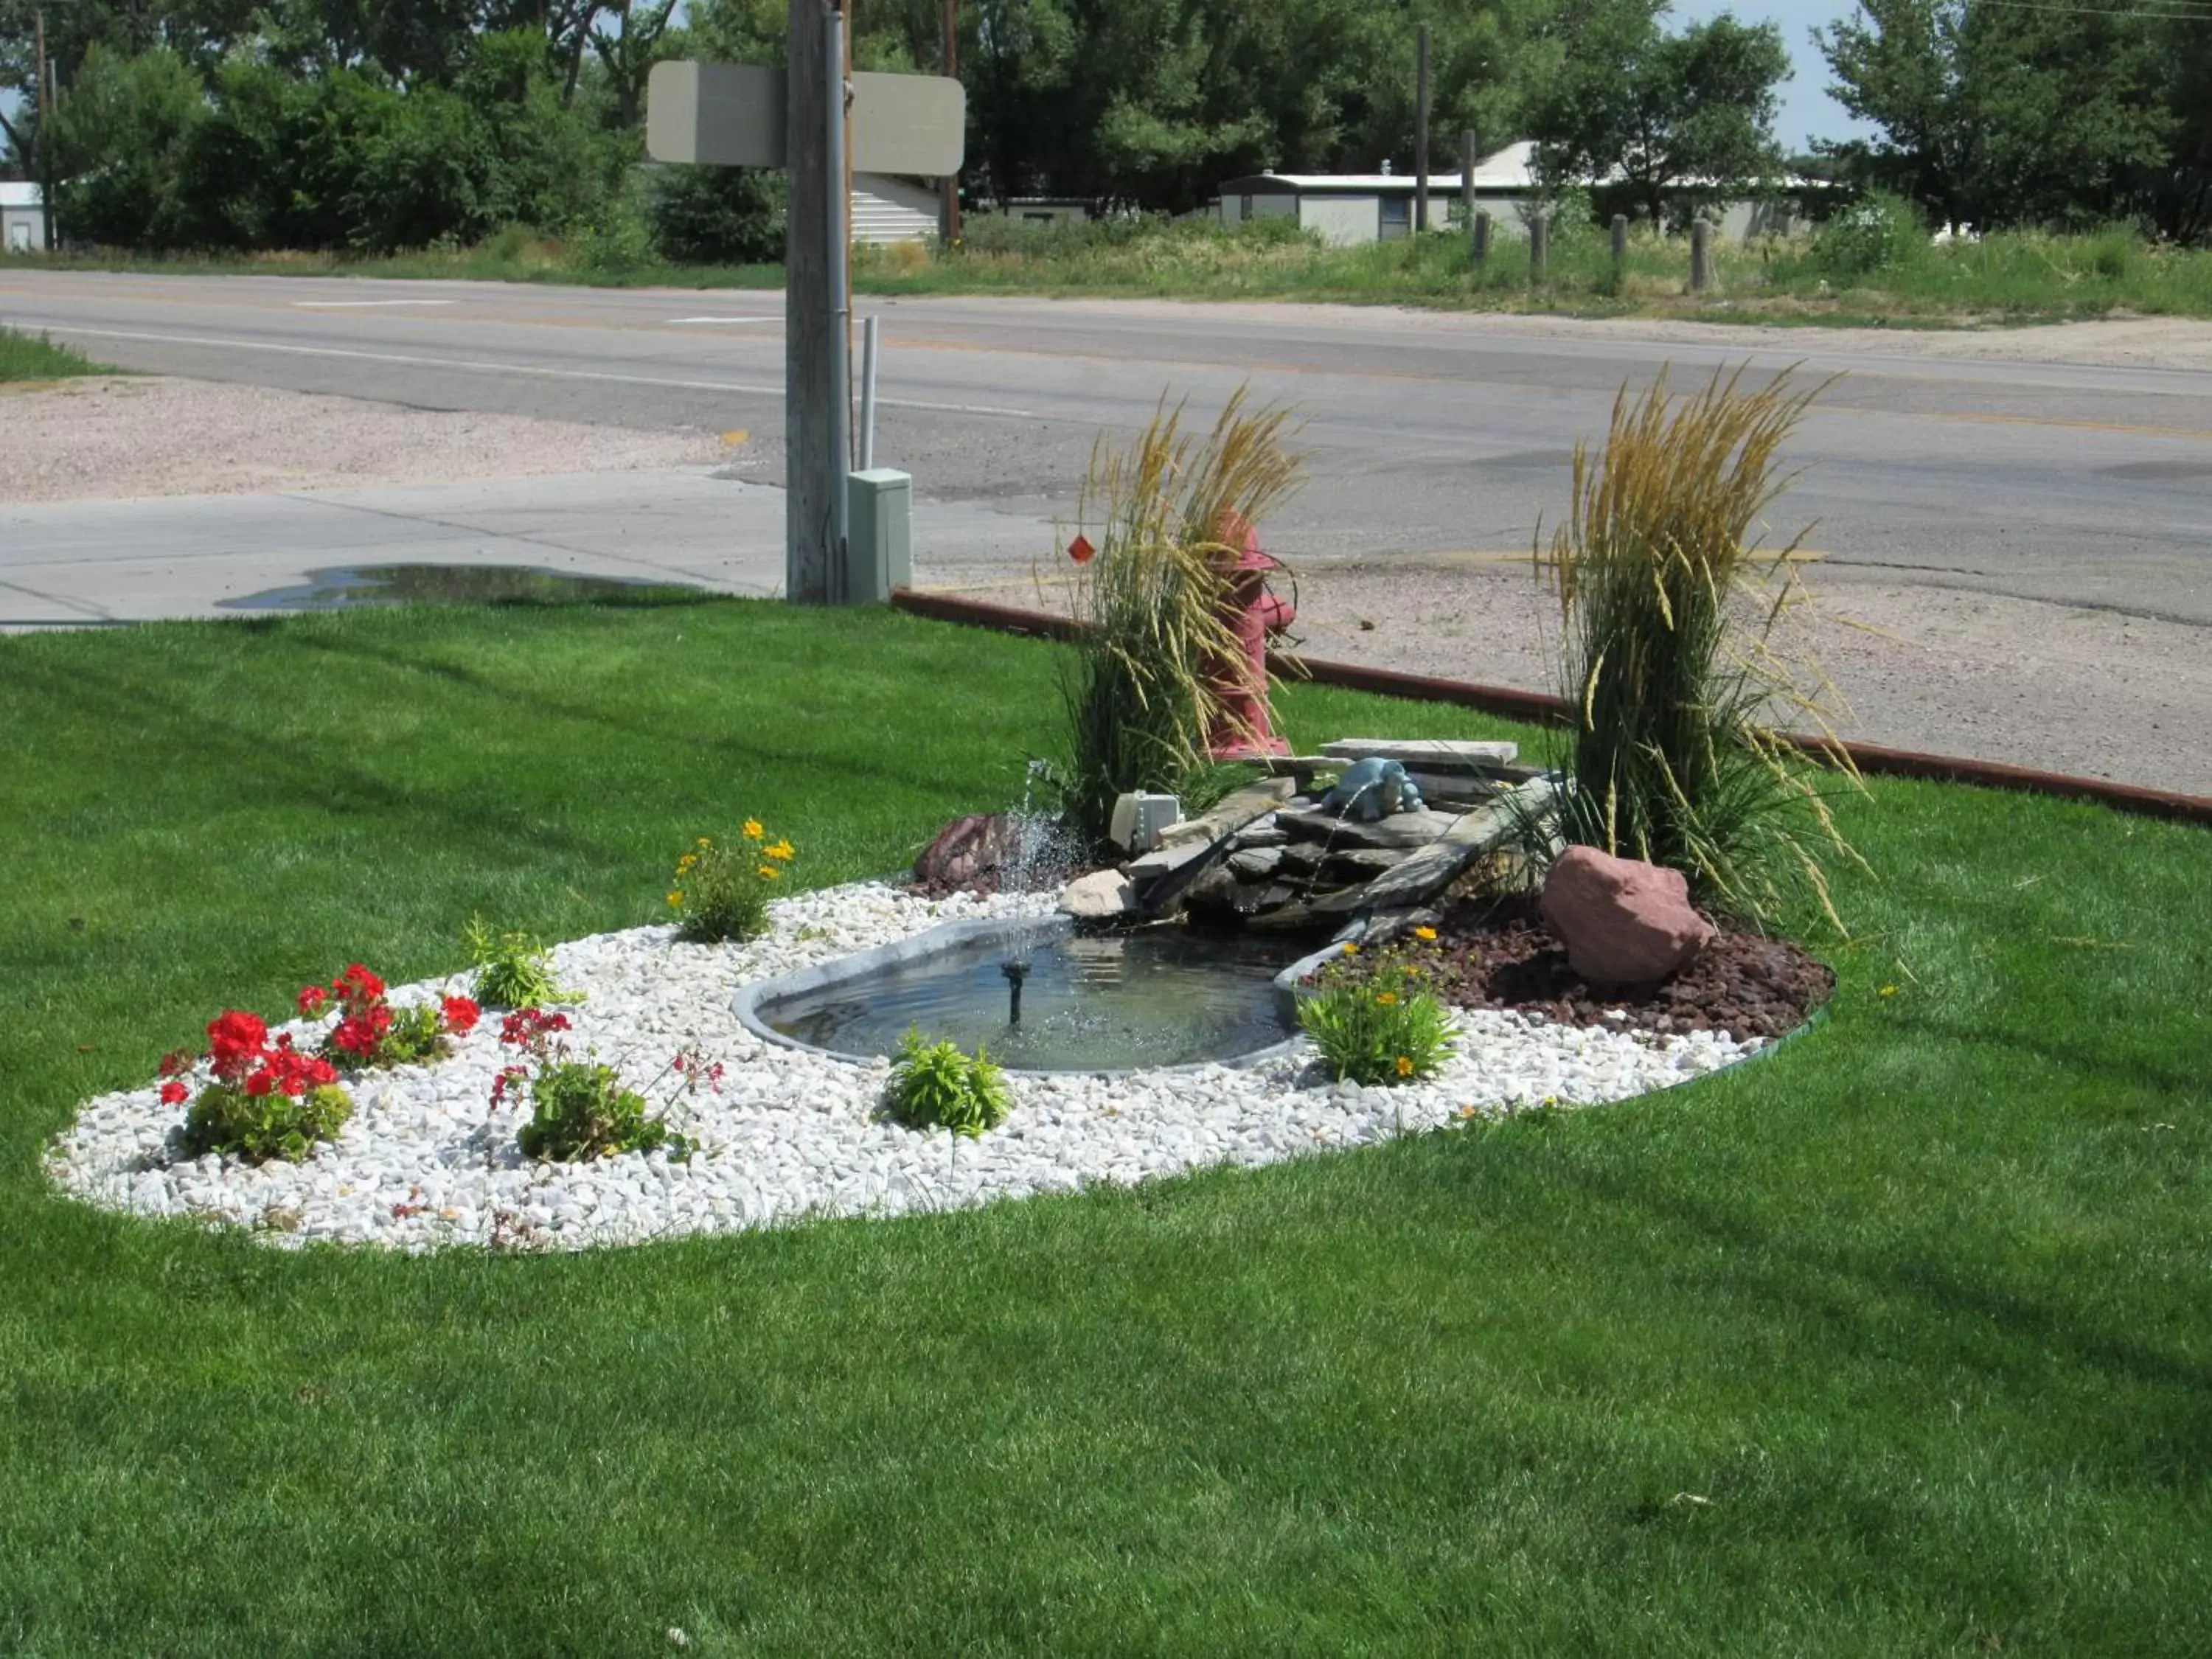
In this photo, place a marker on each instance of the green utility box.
(879, 535)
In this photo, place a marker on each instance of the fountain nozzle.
(1016, 972)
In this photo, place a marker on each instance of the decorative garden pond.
(1044, 997)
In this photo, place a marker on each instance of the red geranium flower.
(313, 999)
(174, 1093)
(461, 1015)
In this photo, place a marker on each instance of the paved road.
(2084, 486)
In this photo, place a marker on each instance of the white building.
(1370, 207)
(22, 219)
(887, 209)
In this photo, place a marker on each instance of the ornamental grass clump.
(513, 970)
(1172, 511)
(1669, 617)
(264, 1098)
(934, 1086)
(1374, 1019)
(720, 890)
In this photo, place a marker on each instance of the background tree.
(1680, 121)
(2003, 116)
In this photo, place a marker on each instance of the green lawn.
(1899, 1342)
(23, 358)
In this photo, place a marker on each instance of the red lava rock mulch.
(1498, 954)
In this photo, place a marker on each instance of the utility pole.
(951, 183)
(42, 72)
(1421, 131)
(817, 308)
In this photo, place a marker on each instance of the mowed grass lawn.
(1899, 1342)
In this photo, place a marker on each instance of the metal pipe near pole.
(871, 336)
(838, 260)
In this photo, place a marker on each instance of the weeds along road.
(2077, 483)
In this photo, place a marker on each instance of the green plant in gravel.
(579, 1109)
(720, 890)
(513, 970)
(1669, 615)
(1374, 1019)
(1172, 510)
(935, 1085)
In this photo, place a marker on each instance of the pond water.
(1159, 996)
(354, 585)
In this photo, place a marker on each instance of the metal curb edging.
(1874, 760)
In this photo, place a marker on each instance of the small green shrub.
(258, 1127)
(720, 890)
(1376, 1020)
(1881, 232)
(514, 970)
(580, 1111)
(935, 1085)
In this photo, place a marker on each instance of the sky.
(1808, 112)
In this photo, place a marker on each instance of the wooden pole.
(951, 184)
(816, 390)
(42, 72)
(1701, 256)
(1619, 239)
(1467, 175)
(1481, 236)
(1539, 247)
(1421, 131)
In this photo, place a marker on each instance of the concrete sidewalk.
(91, 563)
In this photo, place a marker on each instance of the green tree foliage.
(2005, 115)
(123, 140)
(350, 158)
(1680, 119)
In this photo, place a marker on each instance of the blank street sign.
(731, 115)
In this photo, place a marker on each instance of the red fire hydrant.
(1245, 729)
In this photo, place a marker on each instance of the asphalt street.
(1432, 437)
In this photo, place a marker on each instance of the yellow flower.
(686, 861)
(705, 841)
(676, 899)
(1426, 935)
(1405, 1066)
(782, 849)
(1352, 950)
(753, 830)
(770, 873)
(1386, 998)
(1887, 991)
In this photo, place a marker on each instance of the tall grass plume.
(1669, 614)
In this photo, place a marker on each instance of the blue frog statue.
(1373, 789)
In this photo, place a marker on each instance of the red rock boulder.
(1623, 922)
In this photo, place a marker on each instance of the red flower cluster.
(244, 1059)
(525, 1027)
(364, 1016)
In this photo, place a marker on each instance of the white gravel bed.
(427, 1162)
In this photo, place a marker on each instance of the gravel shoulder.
(2093, 693)
(126, 438)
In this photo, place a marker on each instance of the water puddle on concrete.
(349, 587)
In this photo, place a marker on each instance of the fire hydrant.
(1244, 729)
